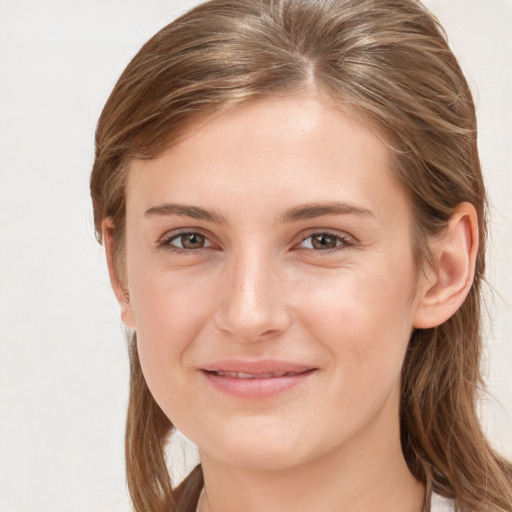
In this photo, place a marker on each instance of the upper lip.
(262, 367)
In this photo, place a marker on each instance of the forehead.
(277, 148)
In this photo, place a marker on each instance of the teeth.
(242, 375)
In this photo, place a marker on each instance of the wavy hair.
(388, 62)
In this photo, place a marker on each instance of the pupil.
(193, 241)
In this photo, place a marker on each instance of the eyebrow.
(303, 212)
(183, 210)
(311, 211)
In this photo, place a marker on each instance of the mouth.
(256, 380)
(268, 375)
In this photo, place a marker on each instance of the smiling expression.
(272, 282)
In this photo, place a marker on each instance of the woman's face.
(272, 283)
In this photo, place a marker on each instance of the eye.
(324, 241)
(188, 241)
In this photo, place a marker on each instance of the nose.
(253, 303)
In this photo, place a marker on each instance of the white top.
(440, 504)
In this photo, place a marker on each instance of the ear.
(446, 286)
(120, 290)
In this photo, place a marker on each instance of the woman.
(293, 213)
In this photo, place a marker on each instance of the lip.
(255, 379)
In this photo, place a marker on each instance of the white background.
(63, 363)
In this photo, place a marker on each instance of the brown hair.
(387, 61)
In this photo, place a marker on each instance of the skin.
(259, 284)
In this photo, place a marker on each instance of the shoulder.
(440, 504)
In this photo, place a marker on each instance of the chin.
(259, 448)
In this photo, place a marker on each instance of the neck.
(362, 476)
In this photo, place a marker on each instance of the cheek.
(170, 304)
(363, 318)
(169, 311)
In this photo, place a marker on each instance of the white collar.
(440, 504)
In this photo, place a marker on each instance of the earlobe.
(446, 286)
(120, 290)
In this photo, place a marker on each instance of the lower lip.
(256, 388)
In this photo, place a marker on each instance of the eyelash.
(342, 242)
